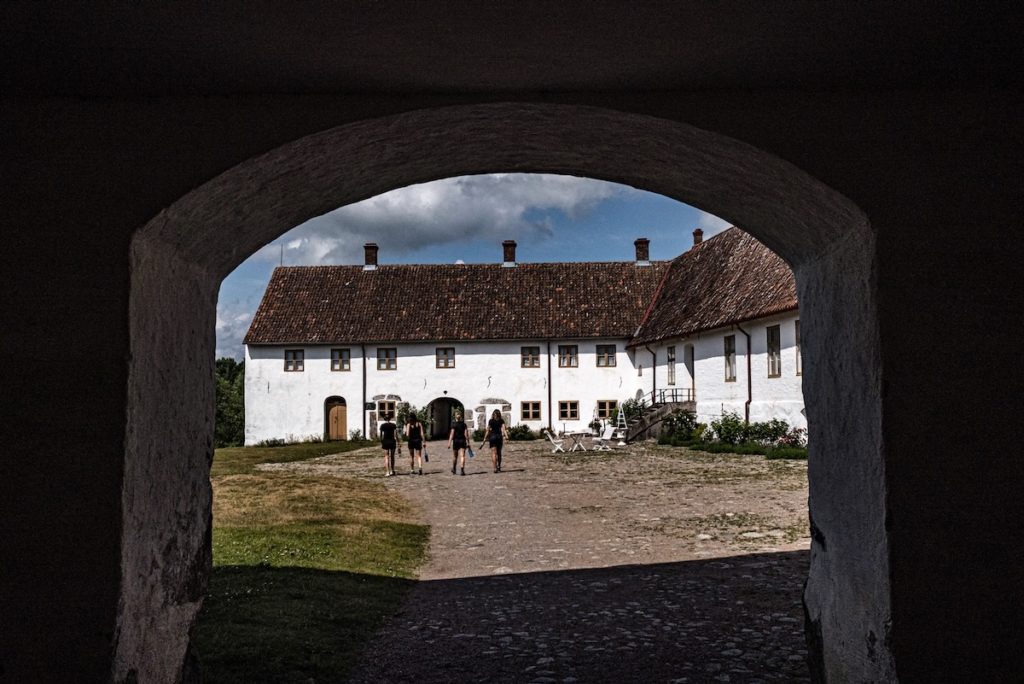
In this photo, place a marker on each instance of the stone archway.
(197, 241)
(440, 412)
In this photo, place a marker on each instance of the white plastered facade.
(293, 405)
(704, 371)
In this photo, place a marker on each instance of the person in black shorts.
(414, 437)
(496, 435)
(388, 442)
(458, 440)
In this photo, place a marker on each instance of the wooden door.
(337, 422)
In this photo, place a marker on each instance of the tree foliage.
(229, 425)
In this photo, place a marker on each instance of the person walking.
(414, 441)
(496, 435)
(388, 442)
(458, 440)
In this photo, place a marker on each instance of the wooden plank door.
(337, 421)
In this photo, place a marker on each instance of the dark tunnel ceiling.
(236, 47)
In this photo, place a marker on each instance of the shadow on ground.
(271, 624)
(735, 619)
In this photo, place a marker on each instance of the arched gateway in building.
(441, 412)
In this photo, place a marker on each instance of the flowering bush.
(797, 437)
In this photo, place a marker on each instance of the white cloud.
(711, 224)
(233, 320)
(448, 211)
(451, 211)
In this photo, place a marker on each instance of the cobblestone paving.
(644, 564)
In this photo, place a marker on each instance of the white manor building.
(333, 349)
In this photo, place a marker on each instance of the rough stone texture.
(935, 167)
(165, 550)
(792, 213)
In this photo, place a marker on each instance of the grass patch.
(235, 460)
(306, 568)
(749, 449)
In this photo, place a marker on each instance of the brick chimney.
(508, 248)
(370, 263)
(643, 252)
(698, 236)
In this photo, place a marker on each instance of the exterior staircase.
(658, 405)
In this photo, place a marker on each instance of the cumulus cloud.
(452, 211)
(448, 211)
(233, 319)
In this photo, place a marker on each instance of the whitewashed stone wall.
(778, 397)
(290, 405)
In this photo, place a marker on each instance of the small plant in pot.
(595, 426)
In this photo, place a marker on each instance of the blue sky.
(551, 218)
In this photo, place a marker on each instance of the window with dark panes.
(529, 357)
(445, 357)
(341, 360)
(294, 360)
(774, 351)
(387, 358)
(385, 410)
(568, 410)
(730, 358)
(671, 351)
(568, 356)
(606, 407)
(530, 410)
(605, 355)
(799, 359)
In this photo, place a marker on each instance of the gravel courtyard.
(646, 563)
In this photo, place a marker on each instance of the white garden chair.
(556, 443)
(602, 443)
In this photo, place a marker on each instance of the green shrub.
(769, 432)
(478, 434)
(521, 432)
(272, 442)
(729, 429)
(789, 453)
(680, 424)
(633, 408)
(355, 435)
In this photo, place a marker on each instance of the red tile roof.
(406, 303)
(729, 278)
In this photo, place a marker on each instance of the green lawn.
(305, 568)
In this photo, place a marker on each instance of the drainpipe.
(750, 386)
(363, 411)
(654, 372)
(551, 425)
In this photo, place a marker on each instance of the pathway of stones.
(646, 563)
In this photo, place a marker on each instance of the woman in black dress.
(414, 437)
(458, 440)
(388, 442)
(496, 435)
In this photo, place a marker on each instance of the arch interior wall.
(198, 240)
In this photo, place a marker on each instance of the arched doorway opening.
(191, 246)
(442, 415)
(335, 419)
